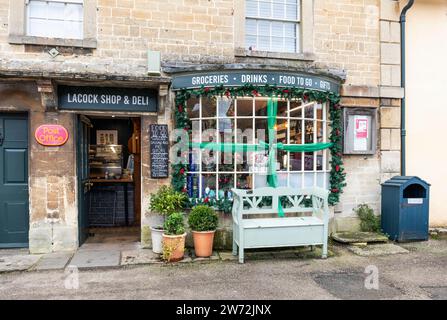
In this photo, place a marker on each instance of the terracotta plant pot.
(173, 247)
(203, 243)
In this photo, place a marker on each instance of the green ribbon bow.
(271, 146)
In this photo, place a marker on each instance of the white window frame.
(296, 21)
(325, 172)
(18, 27)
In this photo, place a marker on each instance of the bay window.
(244, 121)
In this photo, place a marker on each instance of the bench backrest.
(265, 201)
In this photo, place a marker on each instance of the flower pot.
(203, 243)
(173, 247)
(157, 239)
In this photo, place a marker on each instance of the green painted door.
(14, 201)
(83, 171)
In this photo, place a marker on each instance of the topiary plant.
(174, 224)
(369, 222)
(167, 201)
(203, 218)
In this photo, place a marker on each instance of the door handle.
(2, 138)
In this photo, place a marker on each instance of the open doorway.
(109, 179)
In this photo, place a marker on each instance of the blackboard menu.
(159, 139)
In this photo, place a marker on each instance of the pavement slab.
(377, 250)
(141, 256)
(96, 258)
(359, 237)
(22, 262)
(53, 261)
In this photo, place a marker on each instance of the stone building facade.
(353, 40)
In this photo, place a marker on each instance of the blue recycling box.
(405, 208)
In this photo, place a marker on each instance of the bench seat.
(257, 224)
(280, 223)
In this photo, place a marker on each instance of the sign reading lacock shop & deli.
(107, 99)
(159, 140)
(234, 78)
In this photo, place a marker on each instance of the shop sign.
(159, 147)
(51, 135)
(107, 99)
(257, 78)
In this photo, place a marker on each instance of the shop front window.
(228, 121)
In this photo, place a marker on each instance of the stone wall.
(353, 37)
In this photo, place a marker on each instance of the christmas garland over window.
(337, 173)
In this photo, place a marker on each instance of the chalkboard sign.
(159, 138)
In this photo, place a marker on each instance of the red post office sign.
(51, 135)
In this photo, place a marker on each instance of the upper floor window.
(55, 18)
(272, 25)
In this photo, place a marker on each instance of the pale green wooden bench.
(256, 223)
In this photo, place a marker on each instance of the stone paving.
(109, 255)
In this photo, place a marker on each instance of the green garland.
(337, 174)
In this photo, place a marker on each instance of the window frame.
(199, 173)
(18, 26)
(271, 19)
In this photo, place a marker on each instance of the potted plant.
(164, 202)
(174, 238)
(203, 221)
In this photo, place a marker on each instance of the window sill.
(242, 52)
(42, 41)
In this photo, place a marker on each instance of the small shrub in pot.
(174, 238)
(203, 222)
(164, 202)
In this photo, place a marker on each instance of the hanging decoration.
(337, 174)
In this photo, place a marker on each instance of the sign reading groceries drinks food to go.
(107, 99)
(51, 135)
(240, 78)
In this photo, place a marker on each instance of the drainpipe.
(403, 18)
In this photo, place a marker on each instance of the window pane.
(251, 8)
(278, 10)
(319, 131)
(226, 183)
(193, 107)
(73, 30)
(56, 10)
(277, 44)
(261, 108)
(192, 185)
(209, 186)
(209, 107)
(244, 131)
(289, 30)
(74, 12)
(245, 107)
(277, 29)
(225, 107)
(264, 43)
(309, 133)
(309, 161)
(244, 181)
(261, 130)
(296, 161)
(282, 108)
(291, 12)
(296, 180)
(290, 45)
(37, 9)
(209, 134)
(320, 160)
(282, 179)
(251, 27)
(309, 111)
(319, 108)
(295, 109)
(296, 132)
(265, 9)
(308, 180)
